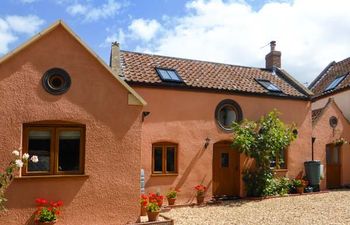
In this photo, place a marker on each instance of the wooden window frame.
(164, 146)
(54, 128)
(285, 162)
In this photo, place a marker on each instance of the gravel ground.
(327, 208)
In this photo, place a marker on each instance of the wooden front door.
(333, 165)
(226, 175)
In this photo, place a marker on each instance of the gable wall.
(325, 134)
(110, 193)
(342, 100)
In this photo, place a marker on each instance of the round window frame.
(235, 106)
(333, 121)
(54, 72)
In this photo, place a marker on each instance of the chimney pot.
(273, 58)
(273, 45)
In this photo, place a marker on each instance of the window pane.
(158, 159)
(335, 83)
(173, 75)
(39, 143)
(227, 115)
(170, 159)
(164, 74)
(69, 151)
(273, 162)
(282, 160)
(224, 159)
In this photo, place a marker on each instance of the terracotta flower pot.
(200, 199)
(153, 216)
(143, 210)
(171, 201)
(46, 223)
(300, 190)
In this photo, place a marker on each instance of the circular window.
(333, 121)
(56, 81)
(227, 112)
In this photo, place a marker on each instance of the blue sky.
(309, 33)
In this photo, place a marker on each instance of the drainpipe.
(312, 148)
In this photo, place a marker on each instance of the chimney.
(114, 62)
(273, 59)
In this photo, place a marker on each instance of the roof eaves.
(216, 90)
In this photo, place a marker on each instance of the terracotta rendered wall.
(187, 118)
(325, 135)
(110, 193)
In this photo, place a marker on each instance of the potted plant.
(143, 203)
(153, 211)
(156, 198)
(171, 196)
(299, 185)
(47, 213)
(200, 192)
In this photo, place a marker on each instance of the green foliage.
(46, 215)
(171, 194)
(152, 207)
(263, 140)
(297, 183)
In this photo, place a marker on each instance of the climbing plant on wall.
(8, 175)
(262, 140)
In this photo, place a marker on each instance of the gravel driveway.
(327, 208)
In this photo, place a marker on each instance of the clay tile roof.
(140, 68)
(329, 74)
(316, 114)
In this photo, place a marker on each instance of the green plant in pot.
(47, 212)
(299, 184)
(200, 193)
(153, 211)
(171, 196)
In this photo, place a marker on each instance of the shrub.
(262, 141)
(7, 177)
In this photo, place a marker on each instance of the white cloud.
(6, 36)
(93, 13)
(144, 29)
(310, 33)
(119, 37)
(11, 27)
(77, 9)
(24, 24)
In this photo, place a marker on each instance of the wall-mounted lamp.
(144, 115)
(207, 141)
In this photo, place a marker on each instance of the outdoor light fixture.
(207, 141)
(144, 115)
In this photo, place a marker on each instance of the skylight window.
(168, 75)
(268, 85)
(335, 83)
